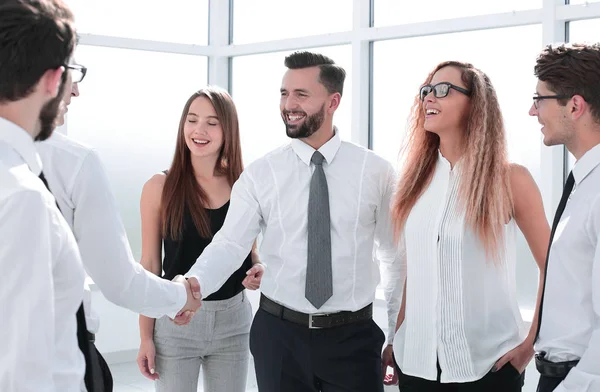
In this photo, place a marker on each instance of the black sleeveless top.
(180, 255)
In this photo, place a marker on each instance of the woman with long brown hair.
(182, 208)
(456, 209)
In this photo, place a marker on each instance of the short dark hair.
(572, 69)
(331, 75)
(35, 36)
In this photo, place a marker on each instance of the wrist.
(146, 339)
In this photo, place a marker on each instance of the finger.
(390, 378)
(251, 271)
(195, 287)
(501, 362)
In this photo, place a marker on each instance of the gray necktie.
(319, 287)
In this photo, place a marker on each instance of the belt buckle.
(311, 319)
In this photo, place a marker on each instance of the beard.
(49, 113)
(310, 125)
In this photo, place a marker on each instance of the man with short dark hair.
(567, 104)
(41, 283)
(322, 206)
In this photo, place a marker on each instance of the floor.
(128, 379)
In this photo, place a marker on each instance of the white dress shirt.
(271, 197)
(41, 285)
(570, 328)
(461, 308)
(79, 183)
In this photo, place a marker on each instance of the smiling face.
(450, 112)
(202, 129)
(304, 100)
(556, 126)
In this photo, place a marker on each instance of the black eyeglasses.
(441, 90)
(538, 98)
(77, 72)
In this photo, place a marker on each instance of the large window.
(392, 12)
(256, 81)
(268, 20)
(401, 66)
(181, 21)
(129, 111)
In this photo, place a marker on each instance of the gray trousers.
(216, 339)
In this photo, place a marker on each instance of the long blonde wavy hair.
(484, 188)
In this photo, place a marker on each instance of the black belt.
(316, 321)
(553, 369)
(91, 337)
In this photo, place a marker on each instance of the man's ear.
(577, 106)
(336, 99)
(51, 80)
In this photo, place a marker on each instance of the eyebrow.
(195, 115)
(298, 90)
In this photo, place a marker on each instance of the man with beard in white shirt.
(41, 284)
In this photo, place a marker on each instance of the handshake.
(194, 295)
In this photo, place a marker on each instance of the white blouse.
(461, 307)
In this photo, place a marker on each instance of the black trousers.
(292, 358)
(506, 379)
(549, 384)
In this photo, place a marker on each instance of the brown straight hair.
(181, 190)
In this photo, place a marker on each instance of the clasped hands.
(194, 296)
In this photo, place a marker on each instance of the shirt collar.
(586, 164)
(329, 149)
(22, 143)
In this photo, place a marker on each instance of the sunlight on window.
(183, 21)
(268, 20)
(129, 111)
(391, 12)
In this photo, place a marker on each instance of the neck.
(585, 140)
(22, 115)
(451, 147)
(204, 167)
(321, 136)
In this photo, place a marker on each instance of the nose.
(75, 90)
(429, 97)
(533, 110)
(289, 103)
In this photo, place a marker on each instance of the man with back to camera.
(567, 104)
(322, 206)
(80, 185)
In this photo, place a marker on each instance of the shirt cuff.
(180, 300)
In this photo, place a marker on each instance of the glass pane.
(256, 81)
(266, 20)
(129, 111)
(393, 12)
(396, 82)
(182, 21)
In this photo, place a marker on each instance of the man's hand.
(193, 301)
(254, 276)
(519, 357)
(387, 360)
